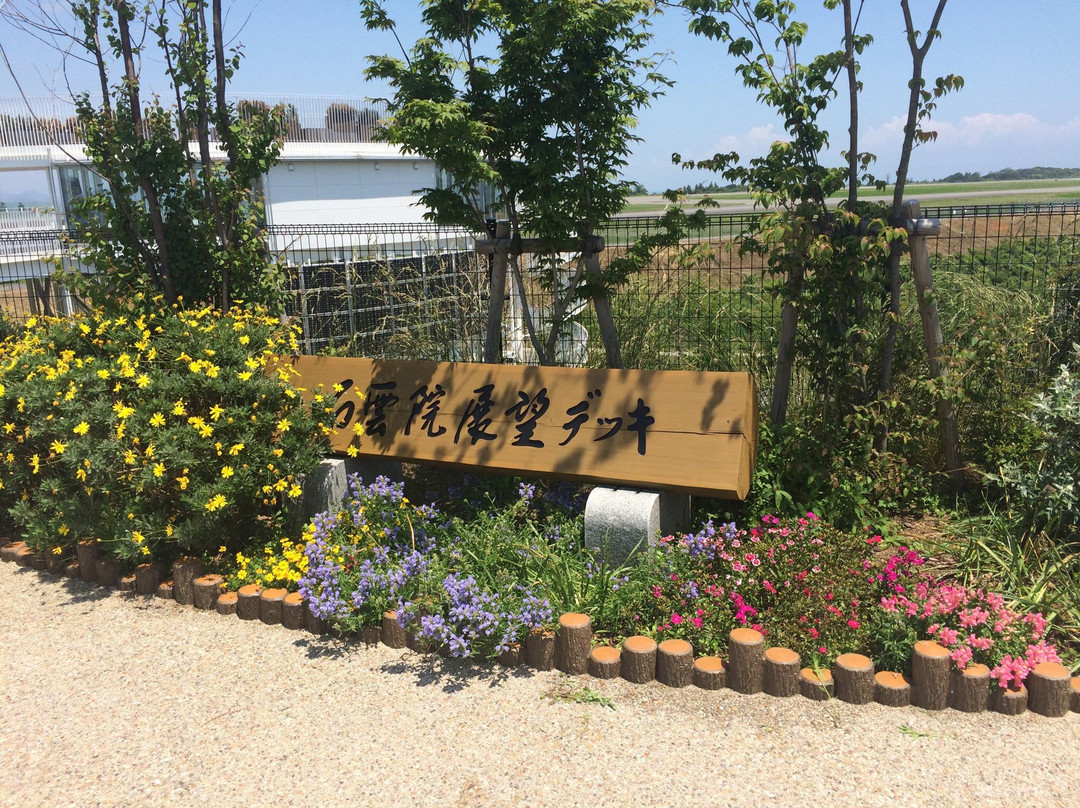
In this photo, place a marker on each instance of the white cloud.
(983, 129)
(751, 143)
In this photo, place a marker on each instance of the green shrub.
(156, 434)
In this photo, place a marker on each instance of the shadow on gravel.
(79, 591)
(453, 675)
(328, 647)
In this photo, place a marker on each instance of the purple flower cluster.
(319, 585)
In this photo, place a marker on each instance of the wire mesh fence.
(420, 291)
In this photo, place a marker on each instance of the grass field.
(1002, 192)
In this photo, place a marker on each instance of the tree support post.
(918, 229)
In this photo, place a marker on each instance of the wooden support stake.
(496, 297)
(87, 552)
(604, 662)
(573, 640)
(746, 660)
(709, 673)
(226, 603)
(512, 656)
(675, 663)
(292, 611)
(1049, 690)
(205, 591)
(247, 602)
(780, 675)
(392, 633)
(854, 677)
(816, 685)
(270, 602)
(638, 664)
(184, 572)
(892, 689)
(147, 578)
(1008, 701)
(969, 689)
(540, 649)
(930, 667)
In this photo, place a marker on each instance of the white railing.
(42, 122)
(13, 220)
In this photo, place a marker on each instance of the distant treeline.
(711, 188)
(1036, 173)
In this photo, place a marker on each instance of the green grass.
(929, 193)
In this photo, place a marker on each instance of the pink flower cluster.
(977, 625)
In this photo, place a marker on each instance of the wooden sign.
(655, 429)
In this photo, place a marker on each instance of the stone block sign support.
(620, 521)
(327, 486)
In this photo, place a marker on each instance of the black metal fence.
(420, 291)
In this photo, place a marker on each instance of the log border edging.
(933, 685)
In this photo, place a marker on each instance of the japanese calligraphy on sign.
(675, 430)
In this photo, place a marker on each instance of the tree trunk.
(602, 303)
(496, 297)
(785, 353)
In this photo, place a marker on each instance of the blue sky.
(1020, 106)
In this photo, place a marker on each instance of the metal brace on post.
(918, 229)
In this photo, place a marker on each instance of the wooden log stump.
(930, 666)
(184, 573)
(709, 673)
(513, 656)
(24, 557)
(87, 552)
(392, 633)
(1008, 701)
(638, 663)
(604, 662)
(540, 649)
(853, 675)
(126, 582)
(247, 602)
(226, 603)
(292, 612)
(1049, 689)
(675, 663)
(71, 569)
(8, 552)
(205, 591)
(6, 541)
(573, 640)
(312, 624)
(165, 590)
(969, 689)
(422, 645)
(892, 689)
(746, 660)
(54, 564)
(270, 603)
(1074, 694)
(106, 573)
(147, 578)
(816, 685)
(38, 562)
(780, 674)
(370, 635)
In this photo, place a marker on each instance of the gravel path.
(109, 699)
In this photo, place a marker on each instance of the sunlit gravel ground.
(110, 699)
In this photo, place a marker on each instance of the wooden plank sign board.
(673, 430)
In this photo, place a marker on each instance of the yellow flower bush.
(279, 565)
(170, 431)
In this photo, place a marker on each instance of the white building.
(330, 170)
